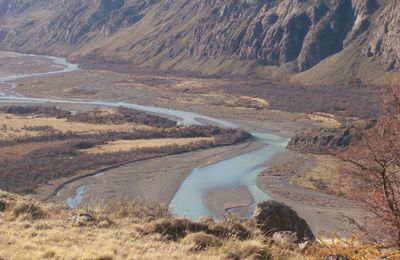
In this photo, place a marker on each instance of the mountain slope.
(271, 38)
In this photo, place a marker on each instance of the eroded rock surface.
(328, 140)
(386, 40)
(299, 33)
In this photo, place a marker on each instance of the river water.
(188, 201)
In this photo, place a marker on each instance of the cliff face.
(385, 42)
(169, 33)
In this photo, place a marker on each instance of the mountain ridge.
(304, 41)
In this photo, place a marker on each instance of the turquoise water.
(238, 171)
(188, 201)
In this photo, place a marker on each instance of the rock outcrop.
(327, 140)
(386, 40)
(272, 217)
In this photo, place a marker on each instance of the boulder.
(272, 216)
(82, 218)
(3, 205)
(285, 237)
(288, 239)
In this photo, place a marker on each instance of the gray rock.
(83, 217)
(285, 237)
(272, 216)
(3, 205)
(385, 42)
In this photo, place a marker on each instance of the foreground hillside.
(314, 41)
(133, 230)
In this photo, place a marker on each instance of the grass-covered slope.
(142, 230)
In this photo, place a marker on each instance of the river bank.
(155, 179)
(148, 181)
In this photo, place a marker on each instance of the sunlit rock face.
(302, 33)
(385, 42)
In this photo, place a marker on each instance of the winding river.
(188, 201)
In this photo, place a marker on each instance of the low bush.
(44, 111)
(249, 249)
(29, 211)
(201, 241)
(174, 229)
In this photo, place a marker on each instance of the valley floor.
(207, 96)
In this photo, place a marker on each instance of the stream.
(241, 170)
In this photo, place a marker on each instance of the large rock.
(386, 39)
(3, 205)
(272, 216)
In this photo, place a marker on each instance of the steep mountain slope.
(314, 39)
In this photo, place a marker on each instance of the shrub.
(29, 211)
(45, 111)
(200, 241)
(174, 229)
(231, 228)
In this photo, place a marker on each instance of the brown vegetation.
(64, 155)
(120, 115)
(339, 100)
(377, 180)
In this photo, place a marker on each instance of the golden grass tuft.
(201, 241)
(249, 249)
(354, 248)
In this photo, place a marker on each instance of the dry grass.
(25, 148)
(13, 126)
(327, 120)
(326, 175)
(141, 230)
(200, 241)
(353, 248)
(191, 84)
(127, 145)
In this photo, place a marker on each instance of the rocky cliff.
(265, 37)
(385, 42)
(329, 140)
